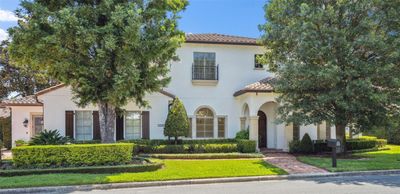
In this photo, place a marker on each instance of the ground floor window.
(221, 127)
(204, 123)
(37, 124)
(133, 125)
(83, 125)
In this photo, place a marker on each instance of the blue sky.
(233, 17)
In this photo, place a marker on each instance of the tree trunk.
(176, 140)
(341, 136)
(107, 117)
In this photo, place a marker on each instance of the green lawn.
(173, 170)
(377, 160)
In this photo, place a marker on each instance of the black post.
(334, 157)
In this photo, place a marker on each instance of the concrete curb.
(65, 189)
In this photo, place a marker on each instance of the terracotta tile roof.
(220, 39)
(264, 85)
(22, 101)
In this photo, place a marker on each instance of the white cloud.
(7, 16)
(3, 35)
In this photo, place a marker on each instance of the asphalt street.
(379, 184)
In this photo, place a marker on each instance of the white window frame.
(225, 117)
(75, 128)
(141, 124)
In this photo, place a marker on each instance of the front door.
(262, 129)
(37, 124)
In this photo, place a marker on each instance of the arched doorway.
(262, 129)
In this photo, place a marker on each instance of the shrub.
(294, 146)
(49, 137)
(187, 141)
(20, 142)
(360, 144)
(306, 145)
(246, 146)
(321, 146)
(167, 149)
(242, 134)
(216, 148)
(177, 123)
(72, 155)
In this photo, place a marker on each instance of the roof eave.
(223, 43)
(240, 92)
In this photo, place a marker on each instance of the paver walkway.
(290, 164)
(6, 154)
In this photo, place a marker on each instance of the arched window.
(204, 123)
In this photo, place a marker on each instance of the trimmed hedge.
(205, 156)
(86, 169)
(187, 148)
(72, 155)
(362, 143)
(246, 146)
(181, 142)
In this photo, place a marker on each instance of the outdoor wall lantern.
(25, 123)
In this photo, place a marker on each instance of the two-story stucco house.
(221, 84)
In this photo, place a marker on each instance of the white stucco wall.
(58, 101)
(18, 116)
(236, 70)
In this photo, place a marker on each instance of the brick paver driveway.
(290, 164)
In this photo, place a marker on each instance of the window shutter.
(69, 124)
(119, 126)
(96, 126)
(145, 125)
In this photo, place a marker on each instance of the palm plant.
(49, 137)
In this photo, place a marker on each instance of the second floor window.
(204, 66)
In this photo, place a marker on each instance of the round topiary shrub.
(306, 145)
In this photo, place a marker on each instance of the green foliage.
(5, 125)
(185, 141)
(177, 123)
(360, 144)
(206, 156)
(21, 80)
(86, 169)
(108, 51)
(242, 134)
(49, 137)
(21, 142)
(306, 144)
(337, 61)
(72, 155)
(294, 146)
(188, 148)
(246, 146)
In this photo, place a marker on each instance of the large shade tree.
(336, 61)
(108, 51)
(22, 80)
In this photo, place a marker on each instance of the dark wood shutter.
(145, 125)
(96, 126)
(119, 126)
(69, 124)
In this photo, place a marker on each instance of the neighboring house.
(222, 86)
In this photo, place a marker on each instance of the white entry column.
(253, 131)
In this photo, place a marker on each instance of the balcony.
(205, 74)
